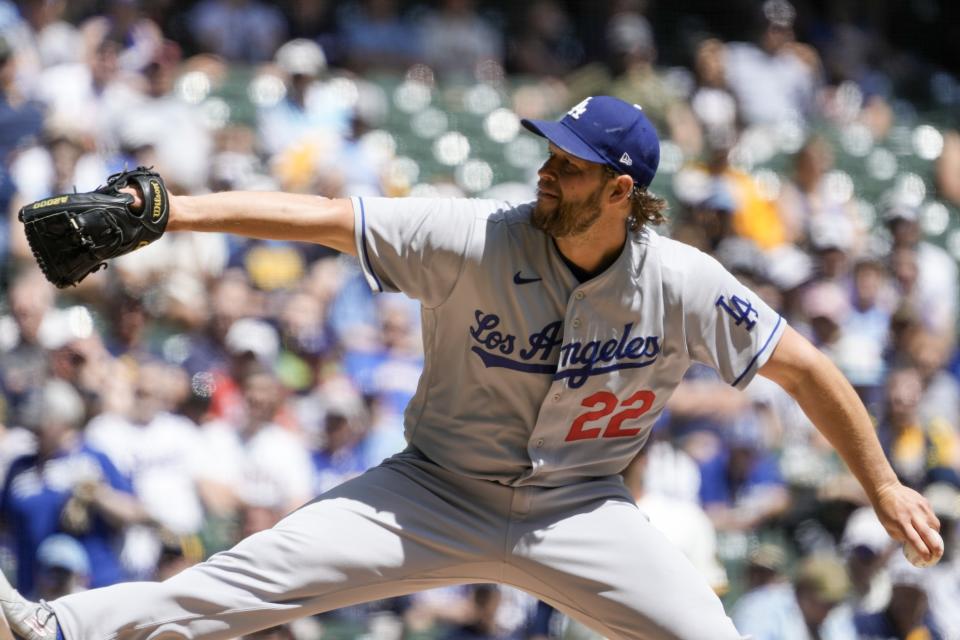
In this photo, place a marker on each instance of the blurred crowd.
(201, 388)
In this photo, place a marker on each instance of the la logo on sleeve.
(742, 311)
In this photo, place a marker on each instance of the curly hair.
(646, 207)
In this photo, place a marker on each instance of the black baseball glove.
(71, 235)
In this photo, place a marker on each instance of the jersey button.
(556, 397)
(576, 323)
(579, 295)
(540, 442)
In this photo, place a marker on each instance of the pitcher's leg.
(599, 560)
(390, 531)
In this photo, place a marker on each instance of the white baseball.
(913, 555)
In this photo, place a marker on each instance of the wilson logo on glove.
(158, 204)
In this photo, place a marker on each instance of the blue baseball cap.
(607, 131)
(60, 551)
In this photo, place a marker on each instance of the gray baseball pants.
(409, 525)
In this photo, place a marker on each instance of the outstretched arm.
(835, 409)
(267, 215)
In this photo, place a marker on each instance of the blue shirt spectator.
(65, 486)
(341, 456)
(741, 486)
(880, 626)
(721, 482)
(907, 614)
(392, 377)
(390, 369)
(33, 500)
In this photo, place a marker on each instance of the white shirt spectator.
(272, 468)
(863, 529)
(162, 459)
(322, 122)
(34, 174)
(769, 88)
(937, 286)
(175, 256)
(75, 104)
(14, 442)
(943, 590)
(671, 472)
(178, 135)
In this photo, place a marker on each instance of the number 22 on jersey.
(633, 407)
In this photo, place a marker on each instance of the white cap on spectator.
(60, 551)
(346, 405)
(831, 230)
(62, 326)
(864, 530)
(740, 255)
(900, 211)
(249, 335)
(826, 300)
(691, 185)
(301, 57)
(629, 33)
(715, 108)
(56, 402)
(788, 267)
(895, 205)
(944, 499)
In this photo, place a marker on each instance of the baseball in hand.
(916, 559)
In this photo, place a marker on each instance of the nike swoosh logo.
(518, 279)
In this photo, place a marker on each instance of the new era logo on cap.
(607, 131)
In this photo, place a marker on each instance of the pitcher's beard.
(567, 218)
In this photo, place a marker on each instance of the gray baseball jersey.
(531, 377)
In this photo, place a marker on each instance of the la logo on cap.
(579, 109)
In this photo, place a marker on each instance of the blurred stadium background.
(199, 389)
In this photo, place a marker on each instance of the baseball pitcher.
(555, 332)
